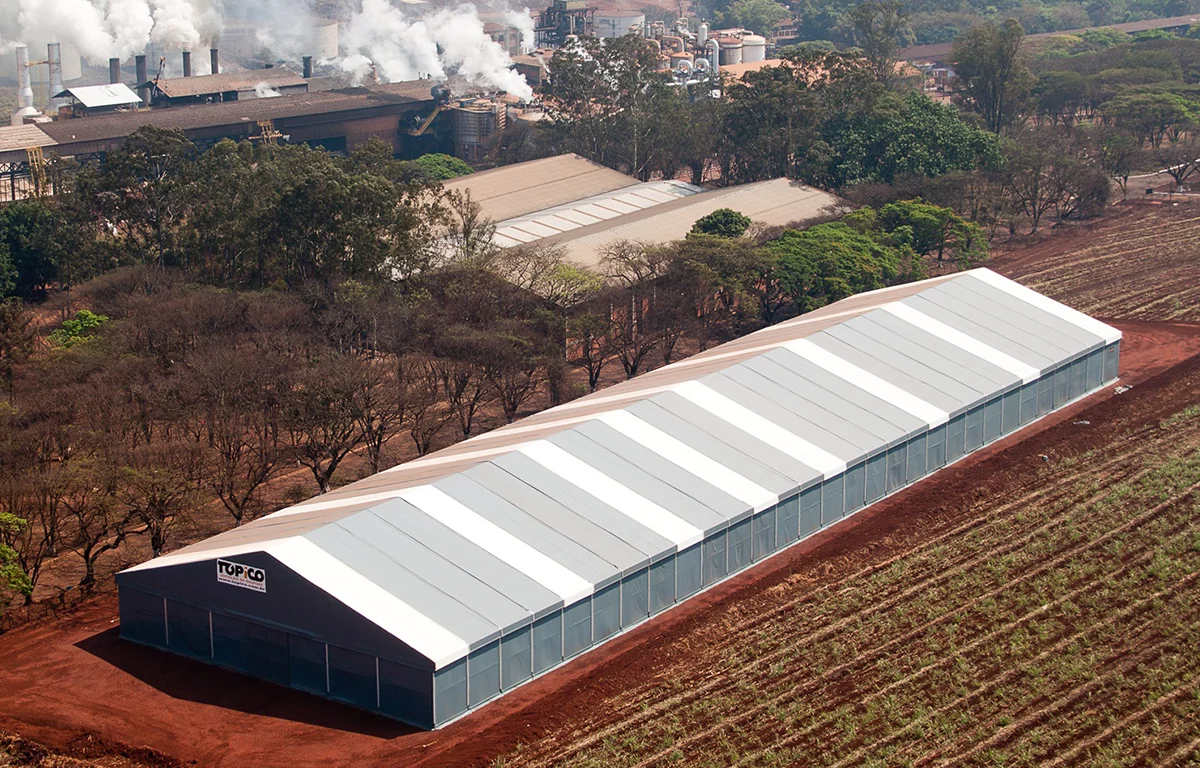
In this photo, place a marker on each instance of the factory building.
(434, 587)
(228, 86)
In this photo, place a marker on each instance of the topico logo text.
(244, 576)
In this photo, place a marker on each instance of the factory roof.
(536, 185)
(235, 112)
(107, 95)
(451, 550)
(590, 210)
(777, 202)
(244, 80)
(20, 137)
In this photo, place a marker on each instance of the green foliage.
(831, 261)
(77, 330)
(12, 577)
(936, 231)
(29, 248)
(723, 222)
(756, 15)
(993, 78)
(441, 167)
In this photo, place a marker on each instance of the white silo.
(25, 108)
(702, 36)
(754, 48)
(617, 23)
(731, 50)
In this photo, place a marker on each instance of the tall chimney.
(187, 63)
(54, 60)
(307, 67)
(216, 61)
(139, 63)
(24, 89)
(114, 70)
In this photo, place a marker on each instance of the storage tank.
(754, 48)
(731, 51)
(676, 58)
(702, 36)
(617, 23)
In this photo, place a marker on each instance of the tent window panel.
(739, 545)
(1112, 355)
(876, 477)
(763, 536)
(897, 469)
(1012, 411)
(833, 500)
(856, 487)
(548, 641)
(635, 597)
(662, 584)
(450, 691)
(352, 677)
(483, 673)
(688, 571)
(917, 457)
(1062, 387)
(307, 664)
(1078, 378)
(606, 612)
(1045, 399)
(188, 631)
(993, 419)
(810, 510)
(937, 447)
(516, 654)
(974, 437)
(267, 653)
(788, 520)
(142, 617)
(231, 644)
(1029, 402)
(714, 558)
(956, 437)
(577, 627)
(406, 693)
(1095, 369)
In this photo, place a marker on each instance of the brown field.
(1036, 604)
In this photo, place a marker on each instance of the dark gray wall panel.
(662, 584)
(787, 514)
(763, 534)
(352, 677)
(188, 630)
(876, 478)
(635, 597)
(577, 627)
(450, 691)
(917, 458)
(547, 642)
(689, 572)
(810, 510)
(856, 481)
(833, 499)
(406, 694)
(516, 657)
(715, 564)
(142, 617)
(606, 612)
(307, 664)
(483, 673)
(738, 546)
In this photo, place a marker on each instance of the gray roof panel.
(1007, 305)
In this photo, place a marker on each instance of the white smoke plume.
(400, 40)
(264, 91)
(444, 43)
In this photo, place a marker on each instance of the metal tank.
(25, 107)
(617, 23)
(54, 61)
(702, 36)
(731, 50)
(754, 48)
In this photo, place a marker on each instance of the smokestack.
(139, 63)
(54, 60)
(114, 70)
(215, 61)
(187, 63)
(307, 67)
(24, 89)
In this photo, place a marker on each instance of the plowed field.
(1141, 263)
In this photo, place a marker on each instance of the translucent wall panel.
(307, 662)
(787, 521)
(606, 612)
(516, 657)
(1012, 411)
(833, 500)
(1078, 378)
(974, 428)
(577, 627)
(956, 438)
(714, 558)
(937, 447)
(483, 673)
(856, 480)
(897, 467)
(876, 480)
(1045, 398)
(1062, 387)
(547, 641)
(739, 546)
(635, 597)
(1111, 355)
(662, 584)
(450, 691)
(187, 630)
(1095, 369)
(689, 571)
(993, 419)
(916, 458)
(763, 534)
(1029, 393)
(810, 510)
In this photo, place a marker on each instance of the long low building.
(429, 589)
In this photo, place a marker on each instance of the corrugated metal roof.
(777, 202)
(244, 80)
(18, 137)
(455, 548)
(235, 112)
(107, 95)
(524, 188)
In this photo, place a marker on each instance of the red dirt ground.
(74, 685)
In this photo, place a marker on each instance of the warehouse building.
(432, 588)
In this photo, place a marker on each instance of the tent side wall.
(293, 634)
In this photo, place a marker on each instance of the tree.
(1179, 160)
(831, 261)
(30, 233)
(16, 340)
(442, 167)
(12, 577)
(322, 417)
(1149, 117)
(881, 28)
(759, 16)
(993, 78)
(1059, 97)
(77, 330)
(1119, 156)
(937, 231)
(723, 222)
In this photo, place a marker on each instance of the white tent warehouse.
(429, 589)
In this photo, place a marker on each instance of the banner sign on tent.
(244, 576)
